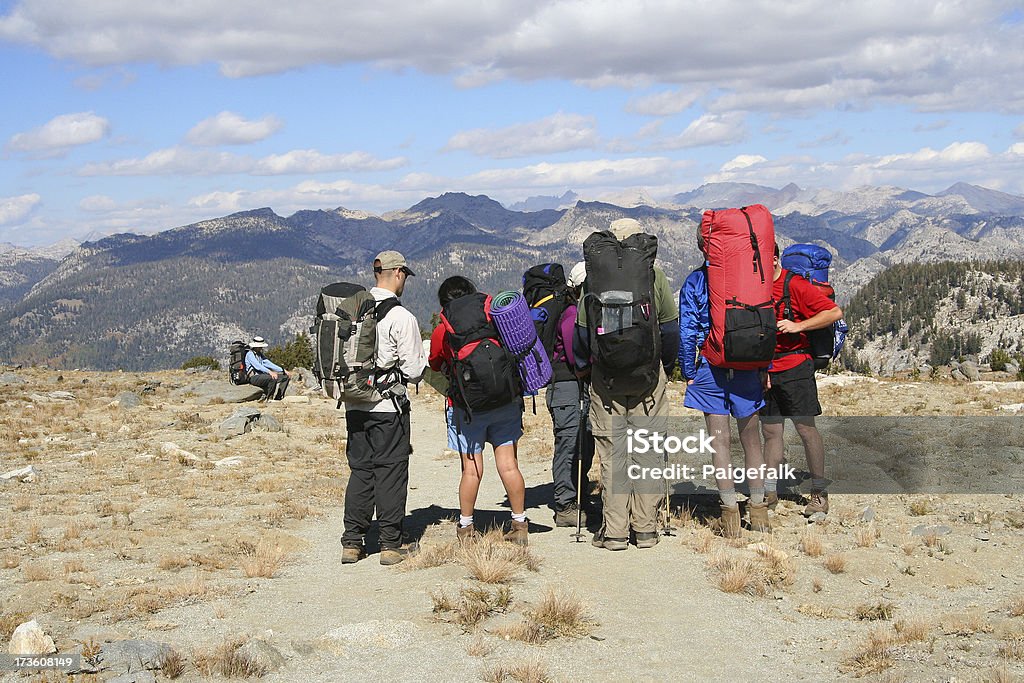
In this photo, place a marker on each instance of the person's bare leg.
(814, 447)
(718, 428)
(774, 443)
(753, 457)
(506, 459)
(469, 485)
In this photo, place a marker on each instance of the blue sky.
(123, 116)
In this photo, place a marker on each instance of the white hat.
(258, 343)
(577, 275)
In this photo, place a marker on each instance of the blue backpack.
(812, 262)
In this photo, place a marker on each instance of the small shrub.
(201, 362)
(835, 563)
(879, 611)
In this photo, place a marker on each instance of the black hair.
(776, 250)
(453, 288)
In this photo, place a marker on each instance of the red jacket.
(806, 301)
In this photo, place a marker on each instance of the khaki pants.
(627, 502)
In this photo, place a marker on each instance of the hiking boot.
(759, 517)
(730, 521)
(818, 503)
(390, 556)
(518, 533)
(646, 539)
(466, 534)
(352, 554)
(600, 541)
(771, 498)
(567, 516)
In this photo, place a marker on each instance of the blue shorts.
(713, 392)
(499, 427)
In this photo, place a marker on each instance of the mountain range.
(146, 301)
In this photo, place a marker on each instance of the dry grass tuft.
(227, 660)
(873, 655)
(533, 671)
(73, 565)
(10, 621)
(866, 537)
(172, 664)
(490, 559)
(263, 560)
(472, 605)
(10, 561)
(1016, 607)
(479, 648)
(913, 629)
(704, 540)
(1012, 649)
(811, 544)
(835, 563)
(175, 561)
(36, 571)
(1001, 674)
(961, 624)
(22, 502)
(557, 615)
(920, 507)
(879, 611)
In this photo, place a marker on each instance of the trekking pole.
(668, 529)
(578, 537)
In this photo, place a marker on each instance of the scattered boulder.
(263, 655)
(218, 391)
(239, 423)
(970, 370)
(61, 395)
(925, 370)
(867, 514)
(303, 377)
(175, 452)
(230, 461)
(30, 639)
(126, 400)
(295, 399)
(1013, 368)
(268, 422)
(923, 530)
(84, 454)
(133, 655)
(9, 379)
(26, 474)
(958, 375)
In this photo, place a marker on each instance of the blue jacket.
(694, 321)
(256, 363)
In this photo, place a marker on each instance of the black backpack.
(236, 367)
(547, 295)
(622, 320)
(483, 375)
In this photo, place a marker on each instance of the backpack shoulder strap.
(386, 306)
(787, 301)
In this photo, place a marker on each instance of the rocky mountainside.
(141, 302)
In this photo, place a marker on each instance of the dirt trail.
(659, 616)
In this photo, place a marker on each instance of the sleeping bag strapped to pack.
(739, 246)
(622, 321)
(547, 295)
(812, 262)
(344, 334)
(236, 366)
(483, 375)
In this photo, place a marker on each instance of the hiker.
(264, 373)
(792, 390)
(575, 280)
(619, 337)
(553, 307)
(379, 437)
(719, 392)
(484, 402)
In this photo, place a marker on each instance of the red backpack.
(739, 245)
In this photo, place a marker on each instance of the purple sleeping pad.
(512, 317)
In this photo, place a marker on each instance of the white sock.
(728, 497)
(519, 517)
(465, 521)
(771, 485)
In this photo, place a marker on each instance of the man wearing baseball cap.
(379, 443)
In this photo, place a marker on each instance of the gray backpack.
(345, 338)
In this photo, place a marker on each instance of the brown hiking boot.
(772, 499)
(731, 521)
(567, 516)
(759, 517)
(351, 554)
(519, 533)
(390, 556)
(466, 534)
(818, 503)
(646, 539)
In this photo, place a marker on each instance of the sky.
(125, 116)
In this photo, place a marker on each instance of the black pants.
(378, 452)
(272, 388)
(563, 404)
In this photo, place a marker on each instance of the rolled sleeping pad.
(511, 315)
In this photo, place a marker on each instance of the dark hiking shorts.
(794, 393)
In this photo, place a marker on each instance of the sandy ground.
(120, 537)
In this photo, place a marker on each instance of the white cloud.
(666, 103)
(806, 55)
(16, 209)
(61, 133)
(97, 203)
(559, 132)
(925, 169)
(229, 128)
(743, 161)
(709, 129)
(186, 161)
